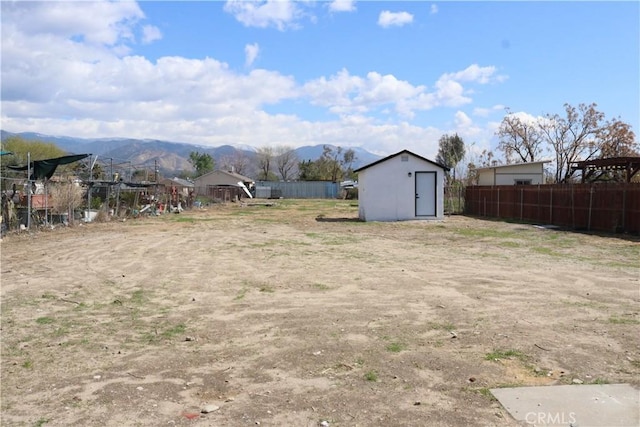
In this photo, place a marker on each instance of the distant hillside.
(171, 158)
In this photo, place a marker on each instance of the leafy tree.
(82, 169)
(22, 150)
(265, 159)
(519, 138)
(140, 175)
(334, 164)
(348, 158)
(21, 147)
(308, 171)
(451, 150)
(286, 161)
(330, 166)
(616, 139)
(202, 162)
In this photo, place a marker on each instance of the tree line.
(581, 133)
(269, 163)
(282, 163)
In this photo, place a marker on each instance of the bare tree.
(573, 137)
(520, 138)
(286, 161)
(265, 158)
(65, 198)
(238, 162)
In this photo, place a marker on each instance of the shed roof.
(511, 165)
(236, 176)
(398, 154)
(180, 182)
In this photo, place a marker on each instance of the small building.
(403, 186)
(179, 186)
(223, 185)
(531, 173)
(178, 190)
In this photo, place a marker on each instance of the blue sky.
(384, 76)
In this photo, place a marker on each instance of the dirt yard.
(296, 314)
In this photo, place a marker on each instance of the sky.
(381, 75)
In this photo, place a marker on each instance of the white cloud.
(525, 117)
(251, 53)
(101, 23)
(342, 6)
(398, 19)
(434, 9)
(486, 112)
(475, 73)
(344, 93)
(281, 14)
(83, 81)
(150, 34)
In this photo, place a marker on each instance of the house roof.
(511, 165)
(181, 182)
(231, 174)
(398, 154)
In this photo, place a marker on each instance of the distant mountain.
(171, 158)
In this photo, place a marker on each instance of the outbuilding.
(403, 186)
(224, 185)
(531, 173)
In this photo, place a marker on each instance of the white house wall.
(507, 175)
(387, 193)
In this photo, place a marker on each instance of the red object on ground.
(190, 415)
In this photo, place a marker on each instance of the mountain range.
(172, 158)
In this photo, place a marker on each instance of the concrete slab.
(602, 405)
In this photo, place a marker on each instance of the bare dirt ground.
(296, 314)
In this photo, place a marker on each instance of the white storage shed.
(403, 186)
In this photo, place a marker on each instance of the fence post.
(573, 212)
(521, 201)
(590, 204)
(624, 208)
(498, 213)
(551, 206)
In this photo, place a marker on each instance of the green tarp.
(41, 169)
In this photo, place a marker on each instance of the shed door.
(425, 193)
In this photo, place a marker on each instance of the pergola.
(593, 170)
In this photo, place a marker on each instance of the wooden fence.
(608, 207)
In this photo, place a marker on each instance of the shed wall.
(386, 192)
(507, 175)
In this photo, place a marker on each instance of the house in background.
(403, 186)
(531, 173)
(178, 185)
(223, 185)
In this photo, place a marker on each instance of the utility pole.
(29, 190)
(155, 180)
(109, 186)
